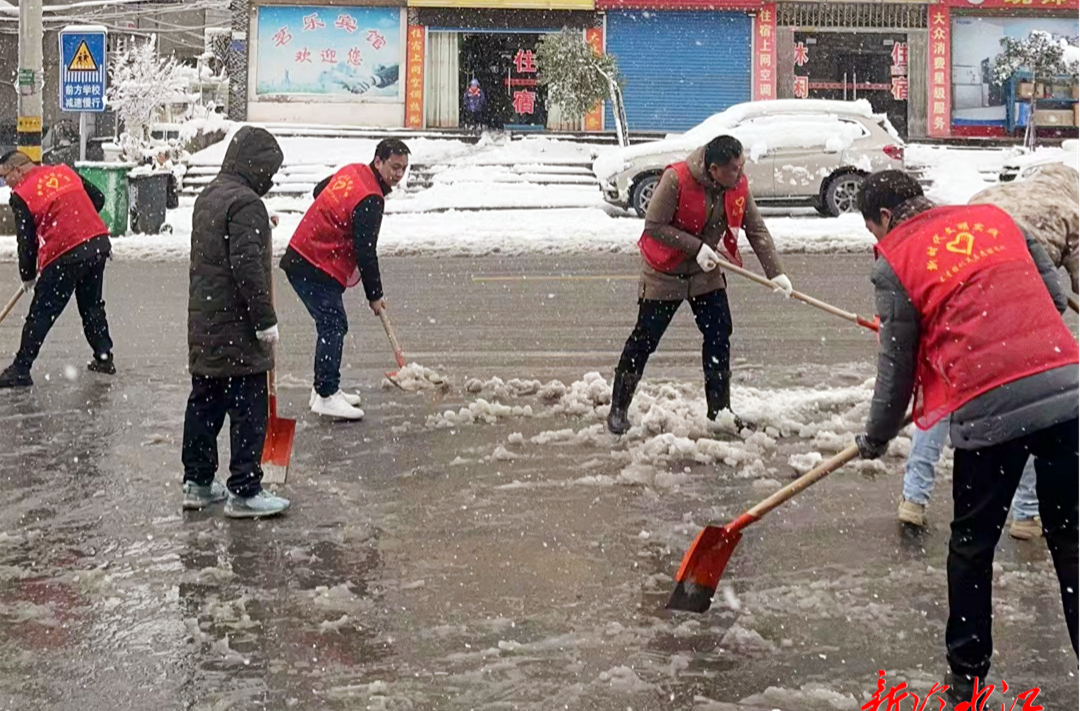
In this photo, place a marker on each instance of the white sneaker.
(336, 406)
(350, 398)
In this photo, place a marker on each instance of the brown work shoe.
(1025, 529)
(912, 513)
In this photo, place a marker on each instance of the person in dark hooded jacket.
(232, 329)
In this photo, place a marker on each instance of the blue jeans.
(926, 448)
(324, 303)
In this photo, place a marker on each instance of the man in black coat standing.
(232, 329)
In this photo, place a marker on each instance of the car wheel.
(842, 194)
(643, 193)
(822, 209)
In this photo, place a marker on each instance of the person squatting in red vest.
(63, 246)
(970, 327)
(699, 208)
(334, 248)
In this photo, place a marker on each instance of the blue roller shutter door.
(679, 67)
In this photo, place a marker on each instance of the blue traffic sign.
(83, 68)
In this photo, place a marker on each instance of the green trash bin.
(110, 179)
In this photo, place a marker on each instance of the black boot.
(15, 376)
(102, 364)
(961, 688)
(622, 394)
(718, 397)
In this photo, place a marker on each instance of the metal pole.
(83, 130)
(31, 78)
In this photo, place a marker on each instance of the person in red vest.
(697, 212)
(63, 246)
(970, 325)
(334, 248)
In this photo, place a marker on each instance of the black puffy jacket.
(230, 273)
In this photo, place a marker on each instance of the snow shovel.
(11, 303)
(399, 355)
(829, 308)
(707, 557)
(280, 432)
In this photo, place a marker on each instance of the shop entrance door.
(846, 67)
(504, 65)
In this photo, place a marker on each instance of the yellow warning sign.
(83, 61)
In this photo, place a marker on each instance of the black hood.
(255, 156)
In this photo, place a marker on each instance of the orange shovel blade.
(277, 449)
(701, 569)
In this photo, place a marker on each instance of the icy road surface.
(488, 546)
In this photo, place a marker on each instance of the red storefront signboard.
(765, 53)
(594, 120)
(938, 71)
(414, 82)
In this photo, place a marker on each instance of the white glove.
(707, 259)
(783, 285)
(28, 286)
(275, 220)
(269, 335)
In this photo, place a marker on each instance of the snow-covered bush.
(141, 83)
(576, 77)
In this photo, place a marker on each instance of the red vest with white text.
(64, 215)
(325, 236)
(690, 217)
(985, 316)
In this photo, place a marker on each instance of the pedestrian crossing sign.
(83, 61)
(83, 68)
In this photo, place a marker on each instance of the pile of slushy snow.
(669, 426)
(414, 377)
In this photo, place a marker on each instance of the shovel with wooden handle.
(704, 562)
(816, 303)
(391, 335)
(1073, 303)
(280, 431)
(11, 303)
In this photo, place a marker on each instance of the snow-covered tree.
(140, 84)
(577, 78)
(1040, 55)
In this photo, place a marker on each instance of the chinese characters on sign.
(524, 102)
(414, 86)
(889, 700)
(802, 87)
(802, 54)
(525, 62)
(765, 53)
(353, 52)
(83, 70)
(938, 72)
(594, 120)
(899, 88)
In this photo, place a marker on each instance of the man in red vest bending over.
(970, 324)
(63, 246)
(332, 249)
(697, 212)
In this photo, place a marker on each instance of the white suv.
(798, 152)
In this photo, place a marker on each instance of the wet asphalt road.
(401, 580)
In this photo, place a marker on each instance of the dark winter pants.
(984, 481)
(57, 283)
(244, 399)
(324, 303)
(713, 320)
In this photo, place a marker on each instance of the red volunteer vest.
(985, 317)
(324, 237)
(64, 215)
(690, 217)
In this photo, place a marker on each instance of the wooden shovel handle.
(829, 308)
(392, 336)
(1072, 304)
(804, 482)
(11, 303)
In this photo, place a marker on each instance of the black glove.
(870, 448)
